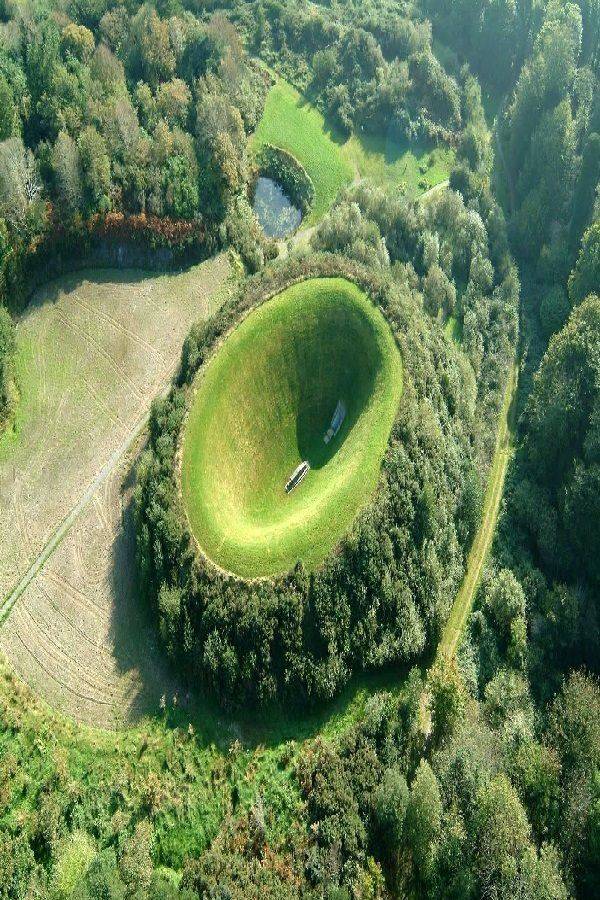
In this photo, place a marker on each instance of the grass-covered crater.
(263, 404)
(381, 521)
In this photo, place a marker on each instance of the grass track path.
(465, 598)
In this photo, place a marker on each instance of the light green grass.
(453, 330)
(415, 168)
(291, 122)
(263, 405)
(463, 604)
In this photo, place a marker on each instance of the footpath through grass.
(483, 539)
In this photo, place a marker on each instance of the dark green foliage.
(460, 830)
(562, 440)
(8, 112)
(17, 865)
(283, 168)
(554, 309)
(585, 277)
(102, 880)
(7, 349)
(368, 67)
(550, 147)
(494, 37)
(585, 189)
(141, 111)
(390, 803)
(461, 273)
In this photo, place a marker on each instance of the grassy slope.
(291, 122)
(263, 405)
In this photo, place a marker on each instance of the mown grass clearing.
(414, 168)
(263, 405)
(291, 122)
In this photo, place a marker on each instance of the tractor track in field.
(65, 526)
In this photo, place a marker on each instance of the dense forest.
(112, 113)
(472, 777)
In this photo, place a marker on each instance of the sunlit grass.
(414, 168)
(263, 405)
(293, 124)
(333, 161)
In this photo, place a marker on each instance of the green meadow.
(292, 123)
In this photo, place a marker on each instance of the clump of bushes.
(7, 350)
(284, 168)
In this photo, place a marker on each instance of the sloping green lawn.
(291, 122)
(263, 405)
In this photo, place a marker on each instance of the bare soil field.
(95, 348)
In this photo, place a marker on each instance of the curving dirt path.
(440, 186)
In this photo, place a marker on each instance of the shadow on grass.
(392, 146)
(133, 635)
(137, 647)
(352, 381)
(60, 284)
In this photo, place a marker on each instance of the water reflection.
(274, 210)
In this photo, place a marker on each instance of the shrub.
(282, 167)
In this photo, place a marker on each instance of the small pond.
(274, 210)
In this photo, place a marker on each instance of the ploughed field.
(94, 349)
(263, 405)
